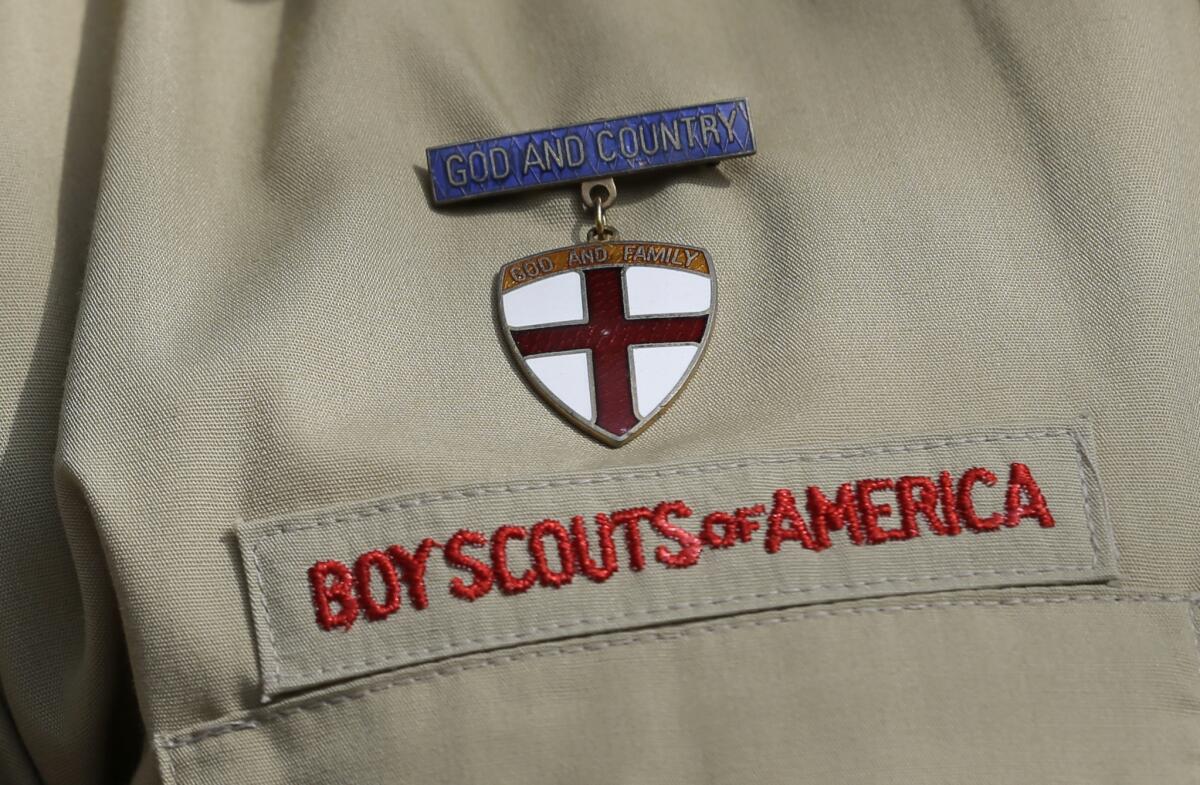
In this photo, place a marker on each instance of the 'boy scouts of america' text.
(379, 583)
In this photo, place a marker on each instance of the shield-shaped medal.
(608, 332)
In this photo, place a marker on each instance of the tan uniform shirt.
(238, 342)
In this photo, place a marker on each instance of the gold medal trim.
(578, 257)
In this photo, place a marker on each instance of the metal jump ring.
(599, 194)
(598, 211)
(607, 232)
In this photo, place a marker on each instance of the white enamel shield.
(608, 333)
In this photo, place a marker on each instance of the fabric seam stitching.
(370, 511)
(169, 743)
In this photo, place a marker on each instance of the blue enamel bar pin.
(607, 331)
(590, 151)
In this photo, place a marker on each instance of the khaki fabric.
(837, 695)
(66, 713)
(963, 216)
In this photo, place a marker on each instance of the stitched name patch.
(400, 581)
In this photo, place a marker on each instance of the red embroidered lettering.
(341, 591)
(746, 525)
(631, 519)
(708, 530)
(923, 502)
(739, 526)
(608, 551)
(830, 516)
(1020, 481)
(377, 561)
(481, 583)
(784, 509)
(872, 512)
(966, 504)
(537, 548)
(949, 504)
(377, 580)
(689, 551)
(412, 570)
(508, 583)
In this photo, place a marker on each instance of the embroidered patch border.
(503, 518)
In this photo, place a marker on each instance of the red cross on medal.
(608, 331)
